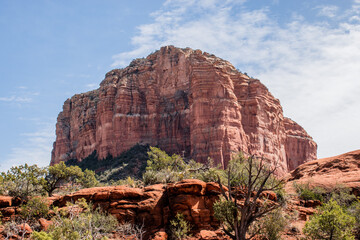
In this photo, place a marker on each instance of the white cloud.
(19, 96)
(91, 86)
(312, 67)
(16, 99)
(71, 75)
(35, 148)
(327, 11)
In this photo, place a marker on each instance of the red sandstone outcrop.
(154, 206)
(184, 101)
(330, 172)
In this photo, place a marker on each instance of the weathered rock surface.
(330, 172)
(184, 101)
(154, 205)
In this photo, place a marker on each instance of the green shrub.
(162, 176)
(160, 160)
(129, 181)
(76, 225)
(2, 185)
(332, 222)
(35, 208)
(23, 181)
(225, 212)
(306, 192)
(41, 236)
(89, 180)
(272, 225)
(163, 168)
(207, 172)
(342, 195)
(179, 227)
(354, 210)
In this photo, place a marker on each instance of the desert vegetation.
(337, 217)
(252, 200)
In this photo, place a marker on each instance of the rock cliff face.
(184, 101)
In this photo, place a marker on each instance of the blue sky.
(306, 52)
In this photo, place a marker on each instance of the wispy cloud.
(312, 67)
(91, 86)
(72, 75)
(327, 11)
(35, 148)
(16, 99)
(20, 95)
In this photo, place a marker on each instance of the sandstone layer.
(184, 101)
(341, 170)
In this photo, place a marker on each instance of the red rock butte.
(184, 101)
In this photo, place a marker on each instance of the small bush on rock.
(84, 224)
(273, 224)
(35, 208)
(179, 227)
(306, 192)
(129, 181)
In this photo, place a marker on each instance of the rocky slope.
(184, 101)
(343, 170)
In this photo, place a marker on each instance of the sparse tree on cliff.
(246, 200)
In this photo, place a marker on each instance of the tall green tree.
(331, 223)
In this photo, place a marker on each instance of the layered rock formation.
(342, 170)
(186, 102)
